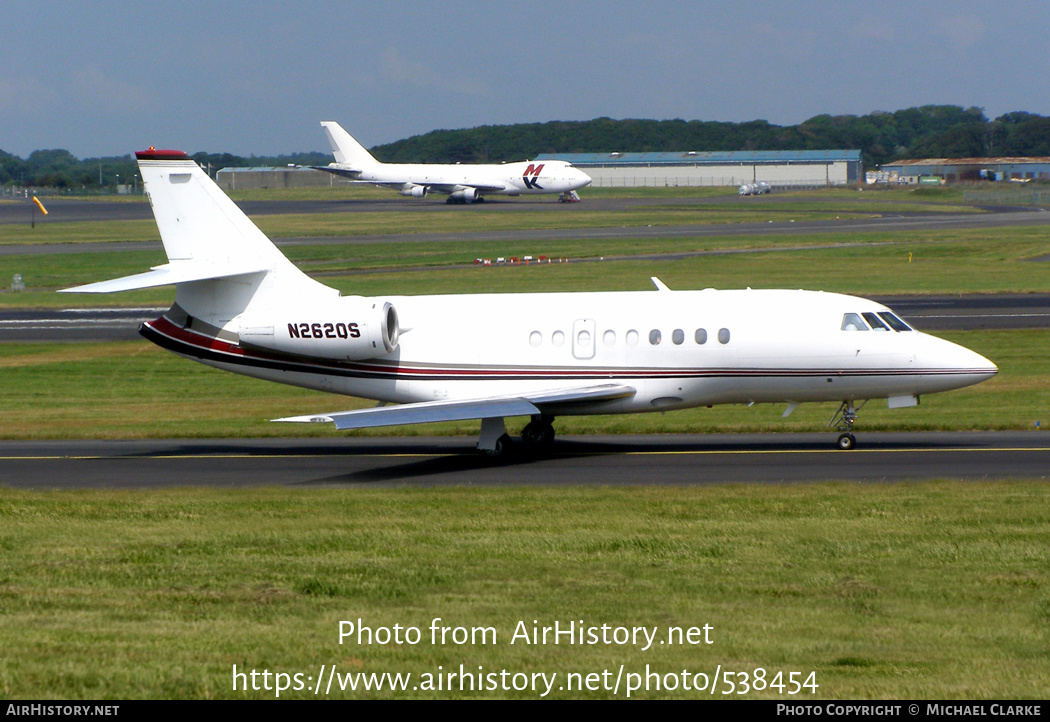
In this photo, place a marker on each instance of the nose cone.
(583, 179)
(951, 366)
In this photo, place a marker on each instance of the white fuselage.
(512, 179)
(678, 349)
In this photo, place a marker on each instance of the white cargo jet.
(240, 305)
(462, 183)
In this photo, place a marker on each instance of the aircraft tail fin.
(345, 149)
(218, 260)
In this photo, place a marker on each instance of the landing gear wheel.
(501, 449)
(847, 442)
(538, 434)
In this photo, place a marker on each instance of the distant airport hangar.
(779, 168)
(954, 170)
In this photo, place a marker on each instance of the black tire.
(537, 434)
(847, 441)
(503, 447)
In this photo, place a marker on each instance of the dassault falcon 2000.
(463, 183)
(242, 306)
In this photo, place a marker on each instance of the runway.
(573, 461)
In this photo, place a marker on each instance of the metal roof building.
(781, 168)
(965, 169)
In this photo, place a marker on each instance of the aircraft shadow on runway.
(451, 460)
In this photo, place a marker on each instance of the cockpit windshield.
(874, 322)
(895, 323)
(853, 322)
(868, 321)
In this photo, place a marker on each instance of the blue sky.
(256, 77)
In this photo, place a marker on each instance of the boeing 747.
(462, 183)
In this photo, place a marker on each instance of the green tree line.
(61, 169)
(930, 131)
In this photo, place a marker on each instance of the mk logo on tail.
(532, 170)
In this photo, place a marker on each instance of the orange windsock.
(40, 205)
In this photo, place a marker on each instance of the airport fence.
(1014, 197)
(25, 192)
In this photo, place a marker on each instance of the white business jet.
(462, 183)
(241, 306)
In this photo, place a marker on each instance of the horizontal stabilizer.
(432, 411)
(168, 274)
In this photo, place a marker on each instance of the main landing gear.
(539, 432)
(843, 421)
(494, 440)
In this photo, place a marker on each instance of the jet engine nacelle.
(413, 190)
(467, 195)
(354, 328)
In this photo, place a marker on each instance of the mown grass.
(136, 390)
(950, 261)
(935, 590)
(361, 223)
(415, 218)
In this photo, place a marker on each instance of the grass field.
(962, 261)
(937, 590)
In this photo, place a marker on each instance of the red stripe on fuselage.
(194, 343)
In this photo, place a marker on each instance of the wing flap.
(432, 411)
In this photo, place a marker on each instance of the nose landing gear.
(843, 421)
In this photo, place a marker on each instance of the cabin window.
(895, 323)
(535, 338)
(723, 335)
(655, 337)
(700, 336)
(558, 338)
(609, 337)
(632, 338)
(853, 322)
(874, 321)
(678, 337)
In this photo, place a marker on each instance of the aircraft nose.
(964, 359)
(957, 365)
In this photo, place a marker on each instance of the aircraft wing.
(354, 174)
(431, 411)
(453, 187)
(346, 172)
